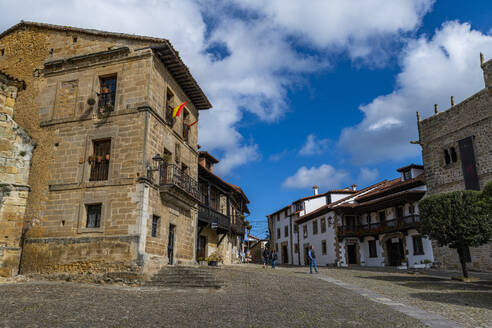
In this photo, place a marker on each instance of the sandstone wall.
(472, 117)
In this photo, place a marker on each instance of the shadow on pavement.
(474, 299)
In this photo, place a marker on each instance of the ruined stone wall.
(472, 117)
(15, 156)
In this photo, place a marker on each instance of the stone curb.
(429, 319)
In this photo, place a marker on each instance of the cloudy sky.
(304, 91)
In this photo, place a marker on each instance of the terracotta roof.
(411, 166)
(392, 187)
(326, 208)
(206, 154)
(334, 191)
(280, 210)
(162, 47)
(383, 201)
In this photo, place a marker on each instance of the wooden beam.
(222, 238)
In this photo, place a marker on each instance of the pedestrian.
(312, 260)
(266, 255)
(274, 259)
(242, 257)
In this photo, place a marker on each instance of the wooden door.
(202, 247)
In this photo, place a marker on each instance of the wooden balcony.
(377, 228)
(210, 216)
(177, 186)
(238, 228)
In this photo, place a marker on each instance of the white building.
(281, 225)
(376, 226)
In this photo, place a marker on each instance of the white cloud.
(262, 62)
(239, 157)
(277, 156)
(367, 175)
(314, 146)
(324, 176)
(433, 69)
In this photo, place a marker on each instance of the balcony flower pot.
(212, 263)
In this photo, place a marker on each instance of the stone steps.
(186, 277)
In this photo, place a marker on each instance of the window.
(399, 212)
(100, 160)
(418, 248)
(411, 209)
(368, 219)
(315, 227)
(447, 158)
(169, 106)
(93, 215)
(286, 213)
(323, 225)
(323, 247)
(454, 156)
(278, 217)
(155, 225)
(372, 248)
(304, 230)
(107, 95)
(208, 165)
(407, 175)
(382, 216)
(296, 248)
(299, 206)
(186, 128)
(278, 232)
(74, 39)
(286, 231)
(330, 221)
(296, 228)
(2, 52)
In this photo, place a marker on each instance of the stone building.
(457, 155)
(15, 156)
(114, 176)
(221, 213)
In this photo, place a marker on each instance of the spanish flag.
(178, 109)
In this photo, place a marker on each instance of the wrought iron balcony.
(209, 216)
(176, 183)
(398, 224)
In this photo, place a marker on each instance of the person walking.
(266, 255)
(312, 260)
(274, 259)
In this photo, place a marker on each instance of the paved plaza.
(252, 297)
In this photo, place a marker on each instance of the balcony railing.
(210, 215)
(172, 175)
(406, 222)
(169, 115)
(238, 227)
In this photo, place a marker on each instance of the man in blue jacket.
(312, 260)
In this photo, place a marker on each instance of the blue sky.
(304, 92)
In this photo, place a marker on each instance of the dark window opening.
(399, 212)
(93, 215)
(418, 247)
(278, 217)
(454, 156)
(155, 225)
(186, 128)
(278, 232)
(74, 39)
(382, 217)
(411, 209)
(407, 175)
(323, 247)
(323, 225)
(286, 231)
(296, 248)
(447, 158)
(304, 230)
(296, 228)
(315, 227)
(107, 93)
(372, 248)
(169, 106)
(100, 160)
(2, 52)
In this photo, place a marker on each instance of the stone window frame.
(323, 225)
(451, 154)
(96, 83)
(89, 198)
(70, 78)
(89, 150)
(315, 227)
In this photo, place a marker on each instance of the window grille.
(100, 160)
(94, 216)
(155, 225)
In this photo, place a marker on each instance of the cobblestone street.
(252, 297)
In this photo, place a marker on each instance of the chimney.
(452, 101)
(436, 109)
(354, 187)
(315, 188)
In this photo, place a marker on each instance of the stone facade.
(440, 135)
(15, 156)
(77, 219)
